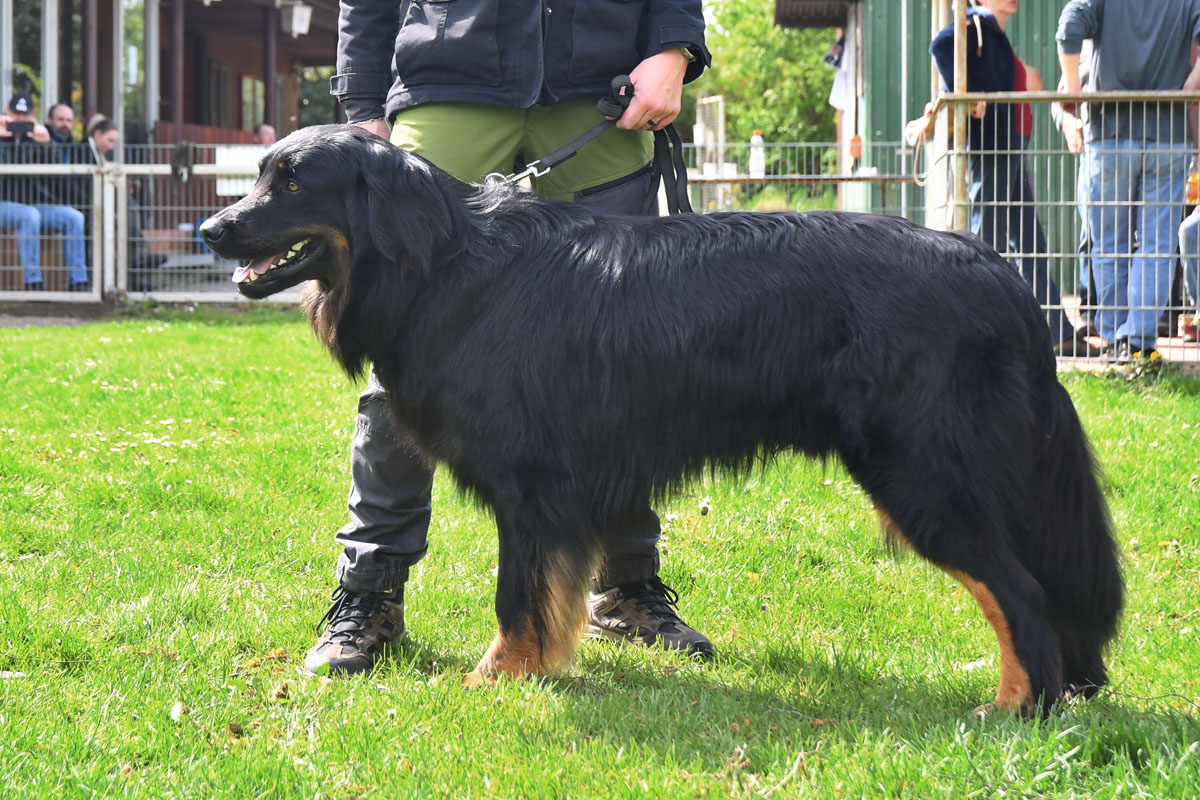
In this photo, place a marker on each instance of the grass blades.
(169, 490)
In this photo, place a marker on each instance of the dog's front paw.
(475, 679)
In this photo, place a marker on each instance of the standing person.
(1138, 164)
(1070, 125)
(1002, 202)
(30, 205)
(478, 87)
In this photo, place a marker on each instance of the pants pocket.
(634, 194)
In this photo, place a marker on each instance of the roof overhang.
(812, 13)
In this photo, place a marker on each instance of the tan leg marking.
(516, 657)
(563, 614)
(1015, 692)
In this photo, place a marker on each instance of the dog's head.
(326, 196)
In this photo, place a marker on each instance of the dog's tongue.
(259, 267)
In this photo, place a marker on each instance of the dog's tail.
(1071, 550)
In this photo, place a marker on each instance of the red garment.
(1024, 121)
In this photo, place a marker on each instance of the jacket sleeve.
(677, 23)
(1079, 20)
(366, 39)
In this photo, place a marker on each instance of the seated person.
(29, 205)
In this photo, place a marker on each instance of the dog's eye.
(292, 186)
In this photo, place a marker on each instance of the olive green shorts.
(472, 140)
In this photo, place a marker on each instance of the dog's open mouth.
(279, 264)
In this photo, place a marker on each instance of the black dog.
(569, 368)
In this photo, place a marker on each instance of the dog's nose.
(213, 230)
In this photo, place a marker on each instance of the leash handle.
(668, 150)
(612, 106)
(622, 95)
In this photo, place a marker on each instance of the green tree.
(772, 78)
(317, 105)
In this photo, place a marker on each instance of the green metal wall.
(884, 109)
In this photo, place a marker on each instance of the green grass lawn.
(169, 490)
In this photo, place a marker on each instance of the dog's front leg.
(542, 582)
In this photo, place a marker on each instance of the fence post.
(959, 206)
(120, 243)
(107, 228)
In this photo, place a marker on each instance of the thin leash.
(668, 150)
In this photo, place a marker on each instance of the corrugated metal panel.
(886, 106)
(895, 76)
(811, 13)
(1031, 31)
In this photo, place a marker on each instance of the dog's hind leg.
(540, 608)
(1012, 602)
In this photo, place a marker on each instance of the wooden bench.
(54, 271)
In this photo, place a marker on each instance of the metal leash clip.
(614, 106)
(531, 171)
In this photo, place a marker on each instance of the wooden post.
(959, 187)
(177, 68)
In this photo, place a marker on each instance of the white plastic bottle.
(758, 157)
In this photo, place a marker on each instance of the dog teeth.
(292, 252)
(252, 277)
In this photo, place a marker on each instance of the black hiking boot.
(358, 629)
(643, 613)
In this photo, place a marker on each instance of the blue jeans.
(1002, 214)
(1189, 256)
(1135, 188)
(30, 221)
(1087, 292)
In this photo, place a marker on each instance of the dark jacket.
(990, 68)
(518, 53)
(29, 190)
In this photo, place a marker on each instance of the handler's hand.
(657, 89)
(379, 127)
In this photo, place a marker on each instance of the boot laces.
(655, 597)
(351, 612)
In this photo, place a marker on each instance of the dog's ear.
(412, 208)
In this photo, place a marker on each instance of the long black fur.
(568, 367)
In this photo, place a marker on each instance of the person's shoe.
(1087, 325)
(35, 286)
(358, 628)
(79, 286)
(1187, 328)
(1123, 351)
(1077, 347)
(643, 613)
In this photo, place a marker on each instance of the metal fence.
(1102, 227)
(1040, 205)
(143, 217)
